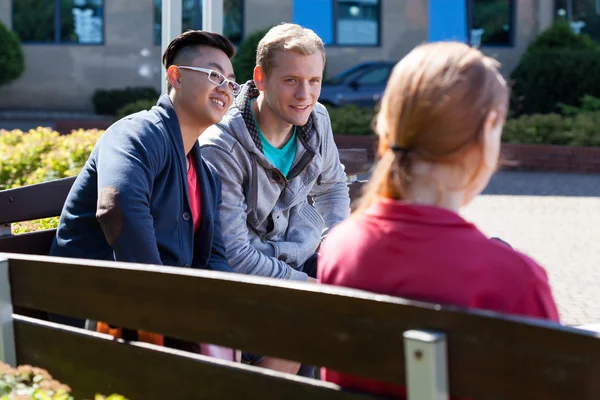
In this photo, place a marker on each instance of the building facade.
(74, 47)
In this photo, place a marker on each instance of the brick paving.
(554, 218)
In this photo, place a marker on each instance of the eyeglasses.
(217, 78)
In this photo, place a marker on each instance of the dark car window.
(377, 76)
(347, 76)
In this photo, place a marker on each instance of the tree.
(12, 60)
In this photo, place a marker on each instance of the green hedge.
(27, 382)
(558, 67)
(134, 107)
(12, 59)
(41, 155)
(108, 102)
(545, 79)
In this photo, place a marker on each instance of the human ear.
(174, 76)
(259, 78)
(491, 139)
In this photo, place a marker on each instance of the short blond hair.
(287, 37)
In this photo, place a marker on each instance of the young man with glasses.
(146, 195)
(273, 149)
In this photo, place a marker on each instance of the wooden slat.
(490, 356)
(35, 201)
(91, 363)
(28, 243)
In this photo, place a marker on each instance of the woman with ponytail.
(439, 129)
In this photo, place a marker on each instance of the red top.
(430, 254)
(194, 193)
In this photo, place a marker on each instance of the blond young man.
(273, 149)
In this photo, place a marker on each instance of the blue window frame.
(491, 22)
(357, 22)
(341, 22)
(59, 21)
(191, 18)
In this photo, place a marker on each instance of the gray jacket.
(268, 226)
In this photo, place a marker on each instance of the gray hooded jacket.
(268, 226)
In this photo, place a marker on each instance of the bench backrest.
(489, 356)
(46, 200)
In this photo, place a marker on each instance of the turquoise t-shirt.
(280, 158)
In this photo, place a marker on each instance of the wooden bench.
(434, 350)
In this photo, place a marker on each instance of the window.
(377, 76)
(584, 15)
(491, 22)
(357, 22)
(191, 18)
(59, 21)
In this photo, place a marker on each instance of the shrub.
(579, 130)
(351, 120)
(12, 60)
(42, 154)
(134, 107)
(545, 79)
(27, 382)
(108, 102)
(561, 36)
(245, 58)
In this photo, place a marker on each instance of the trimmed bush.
(557, 68)
(545, 79)
(561, 36)
(12, 60)
(108, 102)
(27, 382)
(352, 120)
(245, 58)
(579, 130)
(42, 155)
(137, 106)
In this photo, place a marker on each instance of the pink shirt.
(224, 353)
(194, 193)
(430, 254)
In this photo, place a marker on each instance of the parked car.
(361, 85)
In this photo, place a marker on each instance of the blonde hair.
(434, 109)
(287, 37)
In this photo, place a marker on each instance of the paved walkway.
(554, 218)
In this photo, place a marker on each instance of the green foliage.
(30, 383)
(12, 60)
(558, 68)
(134, 107)
(545, 79)
(108, 102)
(561, 36)
(41, 155)
(588, 104)
(245, 58)
(351, 120)
(582, 129)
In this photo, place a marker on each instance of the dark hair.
(190, 39)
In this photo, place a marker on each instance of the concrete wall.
(262, 14)
(6, 12)
(64, 77)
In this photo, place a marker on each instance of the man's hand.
(311, 280)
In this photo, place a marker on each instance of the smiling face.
(292, 86)
(197, 95)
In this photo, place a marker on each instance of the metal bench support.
(7, 334)
(425, 356)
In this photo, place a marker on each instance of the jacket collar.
(242, 102)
